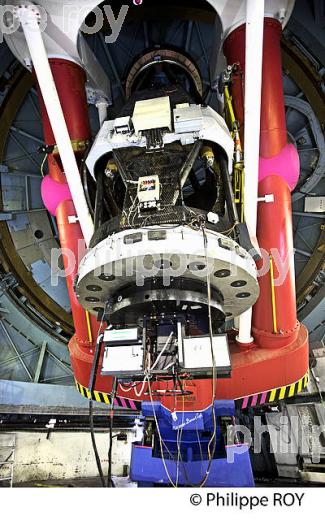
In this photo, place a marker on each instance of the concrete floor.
(120, 482)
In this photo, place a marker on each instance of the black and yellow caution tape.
(274, 395)
(102, 397)
(249, 401)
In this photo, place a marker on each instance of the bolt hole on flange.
(92, 299)
(94, 288)
(38, 234)
(107, 277)
(195, 266)
(223, 273)
(238, 283)
(243, 295)
(163, 264)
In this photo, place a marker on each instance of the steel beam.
(15, 350)
(40, 362)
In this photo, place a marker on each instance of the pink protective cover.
(53, 193)
(286, 165)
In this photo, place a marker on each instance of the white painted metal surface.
(232, 13)
(66, 19)
(198, 355)
(123, 360)
(253, 93)
(152, 113)
(214, 129)
(60, 25)
(102, 106)
(245, 327)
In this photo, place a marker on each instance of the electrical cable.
(199, 441)
(162, 351)
(110, 482)
(178, 442)
(42, 165)
(161, 442)
(212, 441)
(93, 440)
(131, 387)
(92, 382)
(211, 453)
(213, 438)
(139, 394)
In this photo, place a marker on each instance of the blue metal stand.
(186, 437)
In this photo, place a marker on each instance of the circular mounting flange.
(128, 260)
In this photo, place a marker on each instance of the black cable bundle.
(92, 382)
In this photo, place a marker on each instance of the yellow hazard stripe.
(292, 390)
(102, 397)
(283, 392)
(99, 397)
(272, 396)
(106, 399)
(276, 394)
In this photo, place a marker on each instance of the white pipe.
(34, 39)
(102, 111)
(253, 94)
(245, 328)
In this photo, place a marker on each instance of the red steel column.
(279, 171)
(70, 81)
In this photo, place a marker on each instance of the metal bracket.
(267, 198)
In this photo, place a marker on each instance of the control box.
(148, 192)
(116, 337)
(188, 118)
(152, 113)
(123, 361)
(128, 352)
(123, 354)
(198, 355)
(123, 125)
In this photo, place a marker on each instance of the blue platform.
(186, 437)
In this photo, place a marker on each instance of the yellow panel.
(282, 392)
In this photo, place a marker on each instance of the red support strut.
(274, 229)
(70, 81)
